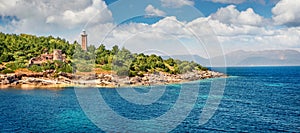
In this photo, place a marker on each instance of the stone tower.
(84, 40)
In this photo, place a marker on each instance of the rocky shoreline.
(46, 80)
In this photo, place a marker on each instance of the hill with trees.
(17, 50)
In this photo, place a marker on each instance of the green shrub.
(106, 67)
(15, 65)
(187, 69)
(132, 73)
(65, 68)
(84, 67)
(5, 71)
(5, 57)
(204, 69)
(123, 71)
(35, 68)
(48, 66)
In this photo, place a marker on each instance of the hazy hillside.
(262, 58)
(248, 58)
(195, 58)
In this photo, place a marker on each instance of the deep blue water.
(255, 99)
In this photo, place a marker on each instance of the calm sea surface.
(255, 99)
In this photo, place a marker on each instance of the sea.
(251, 99)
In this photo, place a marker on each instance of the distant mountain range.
(195, 58)
(248, 58)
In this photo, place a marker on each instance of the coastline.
(36, 81)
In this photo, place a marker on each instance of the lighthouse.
(84, 40)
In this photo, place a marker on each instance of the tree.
(115, 50)
(91, 49)
(170, 61)
(6, 57)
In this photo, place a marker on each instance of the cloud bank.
(235, 29)
(42, 16)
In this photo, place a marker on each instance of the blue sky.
(203, 27)
(206, 7)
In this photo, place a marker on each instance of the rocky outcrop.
(102, 80)
(7, 79)
(164, 78)
(2, 67)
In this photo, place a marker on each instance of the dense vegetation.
(17, 50)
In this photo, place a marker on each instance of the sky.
(167, 27)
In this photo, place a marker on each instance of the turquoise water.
(256, 99)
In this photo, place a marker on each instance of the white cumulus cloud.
(6, 5)
(286, 12)
(150, 10)
(55, 16)
(177, 3)
(95, 13)
(230, 15)
(229, 1)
